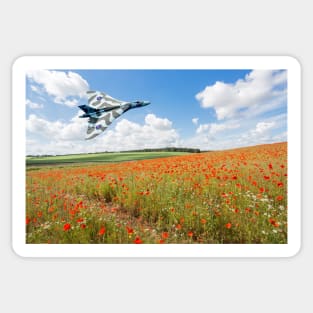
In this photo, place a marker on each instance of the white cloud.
(255, 94)
(203, 128)
(57, 137)
(158, 123)
(33, 105)
(128, 135)
(232, 134)
(62, 138)
(57, 130)
(63, 86)
(215, 128)
(156, 132)
(34, 88)
(262, 133)
(214, 136)
(195, 120)
(263, 127)
(71, 103)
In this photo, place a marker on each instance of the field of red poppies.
(233, 196)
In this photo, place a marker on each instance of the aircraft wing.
(98, 125)
(99, 100)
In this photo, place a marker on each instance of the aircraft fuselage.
(95, 113)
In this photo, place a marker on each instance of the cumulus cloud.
(33, 105)
(195, 120)
(213, 136)
(214, 128)
(263, 127)
(232, 134)
(203, 128)
(158, 123)
(262, 133)
(56, 137)
(129, 135)
(71, 103)
(260, 91)
(63, 86)
(56, 130)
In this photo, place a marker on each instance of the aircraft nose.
(146, 102)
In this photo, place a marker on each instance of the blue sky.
(206, 109)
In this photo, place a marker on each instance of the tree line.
(167, 149)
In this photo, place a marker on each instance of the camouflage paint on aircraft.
(102, 110)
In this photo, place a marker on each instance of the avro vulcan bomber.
(102, 110)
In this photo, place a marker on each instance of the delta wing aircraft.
(102, 110)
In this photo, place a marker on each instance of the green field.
(108, 157)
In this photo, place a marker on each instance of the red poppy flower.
(165, 235)
(279, 198)
(137, 240)
(228, 225)
(101, 231)
(129, 230)
(178, 226)
(190, 234)
(273, 222)
(28, 220)
(66, 227)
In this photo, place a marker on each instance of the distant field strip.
(100, 157)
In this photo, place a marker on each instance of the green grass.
(110, 157)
